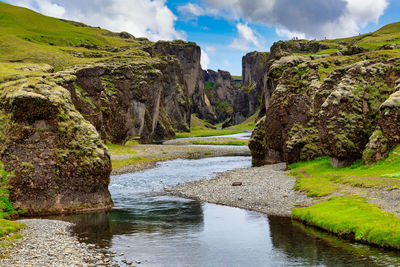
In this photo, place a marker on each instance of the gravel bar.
(267, 189)
(50, 243)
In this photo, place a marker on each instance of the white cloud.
(240, 44)
(246, 38)
(210, 49)
(226, 63)
(204, 60)
(148, 18)
(192, 10)
(308, 18)
(289, 34)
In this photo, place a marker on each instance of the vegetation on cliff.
(66, 88)
(201, 128)
(334, 104)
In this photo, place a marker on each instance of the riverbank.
(51, 243)
(131, 158)
(267, 189)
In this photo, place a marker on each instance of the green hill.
(29, 37)
(387, 35)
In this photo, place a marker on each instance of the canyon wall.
(340, 105)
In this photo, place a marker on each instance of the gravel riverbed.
(50, 243)
(267, 189)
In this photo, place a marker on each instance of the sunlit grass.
(354, 218)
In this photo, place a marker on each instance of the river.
(154, 229)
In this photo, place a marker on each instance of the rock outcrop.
(328, 105)
(147, 98)
(221, 90)
(250, 95)
(189, 56)
(58, 160)
(387, 134)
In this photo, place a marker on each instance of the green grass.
(349, 215)
(389, 34)
(319, 178)
(200, 128)
(354, 218)
(29, 37)
(116, 149)
(221, 143)
(7, 227)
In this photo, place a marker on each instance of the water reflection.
(168, 231)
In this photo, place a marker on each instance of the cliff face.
(58, 159)
(221, 90)
(146, 99)
(249, 97)
(327, 105)
(189, 56)
(108, 87)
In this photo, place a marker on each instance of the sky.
(226, 29)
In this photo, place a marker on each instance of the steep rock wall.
(221, 90)
(147, 99)
(58, 160)
(189, 56)
(325, 105)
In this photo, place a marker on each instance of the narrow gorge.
(148, 158)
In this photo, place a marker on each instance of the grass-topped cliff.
(67, 88)
(332, 109)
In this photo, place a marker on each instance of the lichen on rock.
(59, 162)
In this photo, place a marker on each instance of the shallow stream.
(149, 227)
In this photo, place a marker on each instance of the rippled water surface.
(160, 230)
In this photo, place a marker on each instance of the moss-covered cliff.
(335, 98)
(66, 88)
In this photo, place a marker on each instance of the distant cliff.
(250, 95)
(189, 56)
(221, 91)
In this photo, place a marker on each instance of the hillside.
(66, 88)
(29, 37)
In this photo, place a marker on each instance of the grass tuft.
(355, 219)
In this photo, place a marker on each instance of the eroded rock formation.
(189, 56)
(58, 160)
(221, 90)
(328, 105)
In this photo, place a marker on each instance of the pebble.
(50, 243)
(269, 189)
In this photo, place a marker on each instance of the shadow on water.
(310, 246)
(155, 215)
(169, 231)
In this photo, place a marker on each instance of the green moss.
(209, 89)
(220, 143)
(354, 218)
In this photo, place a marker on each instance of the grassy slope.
(349, 215)
(389, 34)
(200, 128)
(29, 37)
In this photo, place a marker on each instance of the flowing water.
(160, 230)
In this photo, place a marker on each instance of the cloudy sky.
(226, 29)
